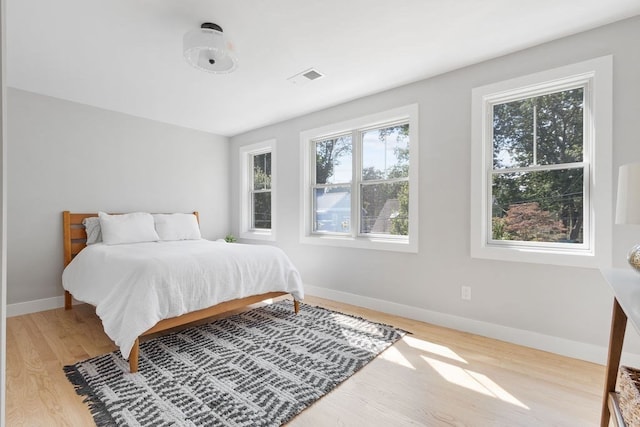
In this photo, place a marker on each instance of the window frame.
(595, 76)
(361, 182)
(247, 154)
(355, 238)
(314, 185)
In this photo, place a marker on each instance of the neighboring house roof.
(333, 201)
(341, 202)
(389, 211)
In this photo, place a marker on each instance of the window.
(332, 188)
(261, 192)
(539, 145)
(538, 174)
(360, 182)
(258, 182)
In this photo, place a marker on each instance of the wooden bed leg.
(133, 356)
(296, 306)
(68, 303)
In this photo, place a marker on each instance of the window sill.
(374, 243)
(571, 258)
(258, 235)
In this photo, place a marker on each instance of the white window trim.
(391, 243)
(597, 254)
(246, 154)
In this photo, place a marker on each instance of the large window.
(361, 182)
(542, 145)
(257, 194)
(539, 176)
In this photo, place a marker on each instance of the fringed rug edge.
(401, 334)
(98, 409)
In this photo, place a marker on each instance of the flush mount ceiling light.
(207, 50)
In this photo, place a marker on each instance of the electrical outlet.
(465, 293)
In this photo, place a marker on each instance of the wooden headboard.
(74, 235)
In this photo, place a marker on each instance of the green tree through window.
(538, 170)
(388, 192)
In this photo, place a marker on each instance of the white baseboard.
(562, 346)
(28, 307)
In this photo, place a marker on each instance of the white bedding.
(133, 286)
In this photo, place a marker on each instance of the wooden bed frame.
(75, 237)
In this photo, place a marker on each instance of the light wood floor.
(434, 377)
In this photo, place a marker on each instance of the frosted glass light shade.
(628, 204)
(206, 49)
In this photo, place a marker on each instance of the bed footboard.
(199, 315)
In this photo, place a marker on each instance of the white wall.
(546, 306)
(68, 156)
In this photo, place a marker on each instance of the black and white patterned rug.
(257, 368)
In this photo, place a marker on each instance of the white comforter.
(133, 286)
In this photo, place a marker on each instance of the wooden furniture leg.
(296, 306)
(68, 303)
(616, 338)
(133, 356)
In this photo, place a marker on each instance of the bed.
(146, 287)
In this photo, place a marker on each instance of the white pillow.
(127, 228)
(92, 227)
(177, 226)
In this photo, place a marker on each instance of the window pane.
(543, 206)
(262, 171)
(261, 210)
(385, 153)
(513, 134)
(332, 209)
(385, 208)
(541, 130)
(560, 127)
(333, 160)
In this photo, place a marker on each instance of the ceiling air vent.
(305, 77)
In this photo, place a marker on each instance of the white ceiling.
(126, 55)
